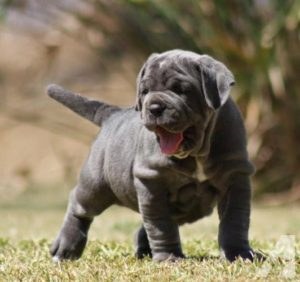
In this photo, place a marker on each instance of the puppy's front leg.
(234, 213)
(162, 231)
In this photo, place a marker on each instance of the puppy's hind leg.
(142, 244)
(85, 203)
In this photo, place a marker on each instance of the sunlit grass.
(113, 261)
(26, 231)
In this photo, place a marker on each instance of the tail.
(92, 110)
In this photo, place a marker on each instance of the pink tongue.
(169, 142)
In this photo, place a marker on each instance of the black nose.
(156, 109)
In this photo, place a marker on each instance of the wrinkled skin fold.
(174, 157)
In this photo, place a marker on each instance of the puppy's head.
(177, 94)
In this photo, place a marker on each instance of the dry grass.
(29, 224)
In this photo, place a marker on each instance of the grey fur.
(95, 111)
(127, 167)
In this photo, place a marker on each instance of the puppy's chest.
(199, 173)
(188, 178)
(193, 171)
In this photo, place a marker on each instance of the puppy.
(173, 157)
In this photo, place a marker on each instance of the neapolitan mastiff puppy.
(174, 157)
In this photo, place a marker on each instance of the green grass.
(26, 231)
(29, 261)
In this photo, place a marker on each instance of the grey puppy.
(174, 157)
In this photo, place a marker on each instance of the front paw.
(143, 252)
(168, 256)
(232, 254)
(68, 247)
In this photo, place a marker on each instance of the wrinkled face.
(178, 93)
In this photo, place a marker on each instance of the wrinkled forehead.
(171, 63)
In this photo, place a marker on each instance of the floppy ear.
(138, 102)
(216, 81)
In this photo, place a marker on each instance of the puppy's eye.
(181, 88)
(187, 88)
(145, 91)
(176, 88)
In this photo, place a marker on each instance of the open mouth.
(169, 142)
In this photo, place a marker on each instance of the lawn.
(29, 224)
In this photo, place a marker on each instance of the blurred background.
(96, 47)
